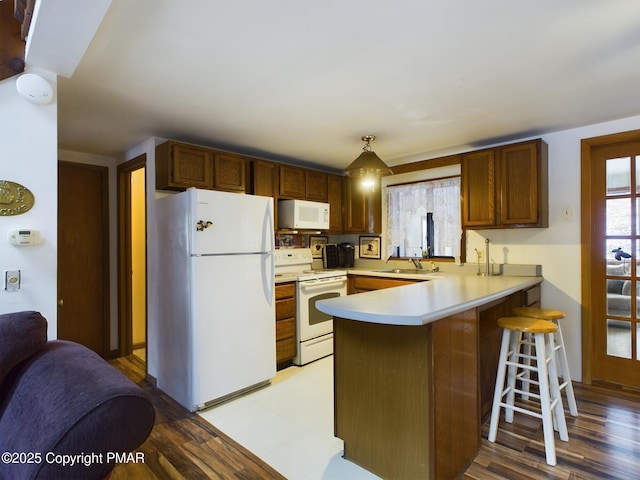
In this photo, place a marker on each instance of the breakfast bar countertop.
(425, 302)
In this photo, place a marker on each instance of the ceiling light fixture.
(368, 166)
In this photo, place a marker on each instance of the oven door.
(312, 322)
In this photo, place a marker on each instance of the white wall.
(29, 139)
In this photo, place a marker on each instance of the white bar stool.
(562, 365)
(544, 364)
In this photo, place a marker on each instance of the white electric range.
(314, 329)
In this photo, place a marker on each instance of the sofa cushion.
(618, 270)
(626, 288)
(66, 400)
(21, 335)
(615, 286)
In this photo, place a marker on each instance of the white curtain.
(407, 208)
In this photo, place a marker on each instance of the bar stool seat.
(511, 359)
(563, 364)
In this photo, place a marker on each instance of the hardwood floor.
(604, 443)
(183, 446)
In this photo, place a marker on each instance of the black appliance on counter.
(330, 257)
(346, 254)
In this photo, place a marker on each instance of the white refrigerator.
(216, 321)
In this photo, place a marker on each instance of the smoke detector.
(34, 88)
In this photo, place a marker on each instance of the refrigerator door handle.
(268, 229)
(268, 278)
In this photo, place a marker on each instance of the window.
(423, 219)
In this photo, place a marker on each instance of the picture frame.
(370, 247)
(317, 243)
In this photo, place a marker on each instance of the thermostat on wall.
(24, 237)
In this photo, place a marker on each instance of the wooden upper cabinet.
(362, 209)
(316, 186)
(334, 197)
(230, 172)
(506, 187)
(180, 166)
(478, 189)
(264, 178)
(292, 182)
(524, 192)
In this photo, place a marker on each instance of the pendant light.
(368, 166)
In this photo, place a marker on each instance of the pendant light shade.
(368, 166)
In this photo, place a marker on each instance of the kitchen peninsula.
(414, 371)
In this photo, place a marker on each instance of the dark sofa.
(60, 403)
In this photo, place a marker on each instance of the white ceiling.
(300, 80)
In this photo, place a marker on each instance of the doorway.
(83, 255)
(611, 248)
(132, 255)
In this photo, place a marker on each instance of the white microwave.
(303, 215)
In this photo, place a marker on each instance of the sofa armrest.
(66, 400)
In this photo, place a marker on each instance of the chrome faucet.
(416, 263)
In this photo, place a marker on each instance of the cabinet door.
(523, 185)
(292, 182)
(363, 283)
(355, 205)
(180, 166)
(230, 173)
(264, 178)
(285, 322)
(478, 189)
(316, 186)
(363, 209)
(334, 193)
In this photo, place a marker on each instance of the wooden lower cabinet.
(286, 348)
(365, 283)
(409, 400)
(390, 381)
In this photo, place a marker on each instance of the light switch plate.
(12, 280)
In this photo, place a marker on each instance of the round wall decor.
(15, 199)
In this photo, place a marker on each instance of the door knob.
(60, 302)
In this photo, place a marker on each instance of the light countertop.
(425, 302)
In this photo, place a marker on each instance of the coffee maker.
(346, 254)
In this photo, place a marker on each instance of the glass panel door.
(617, 226)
